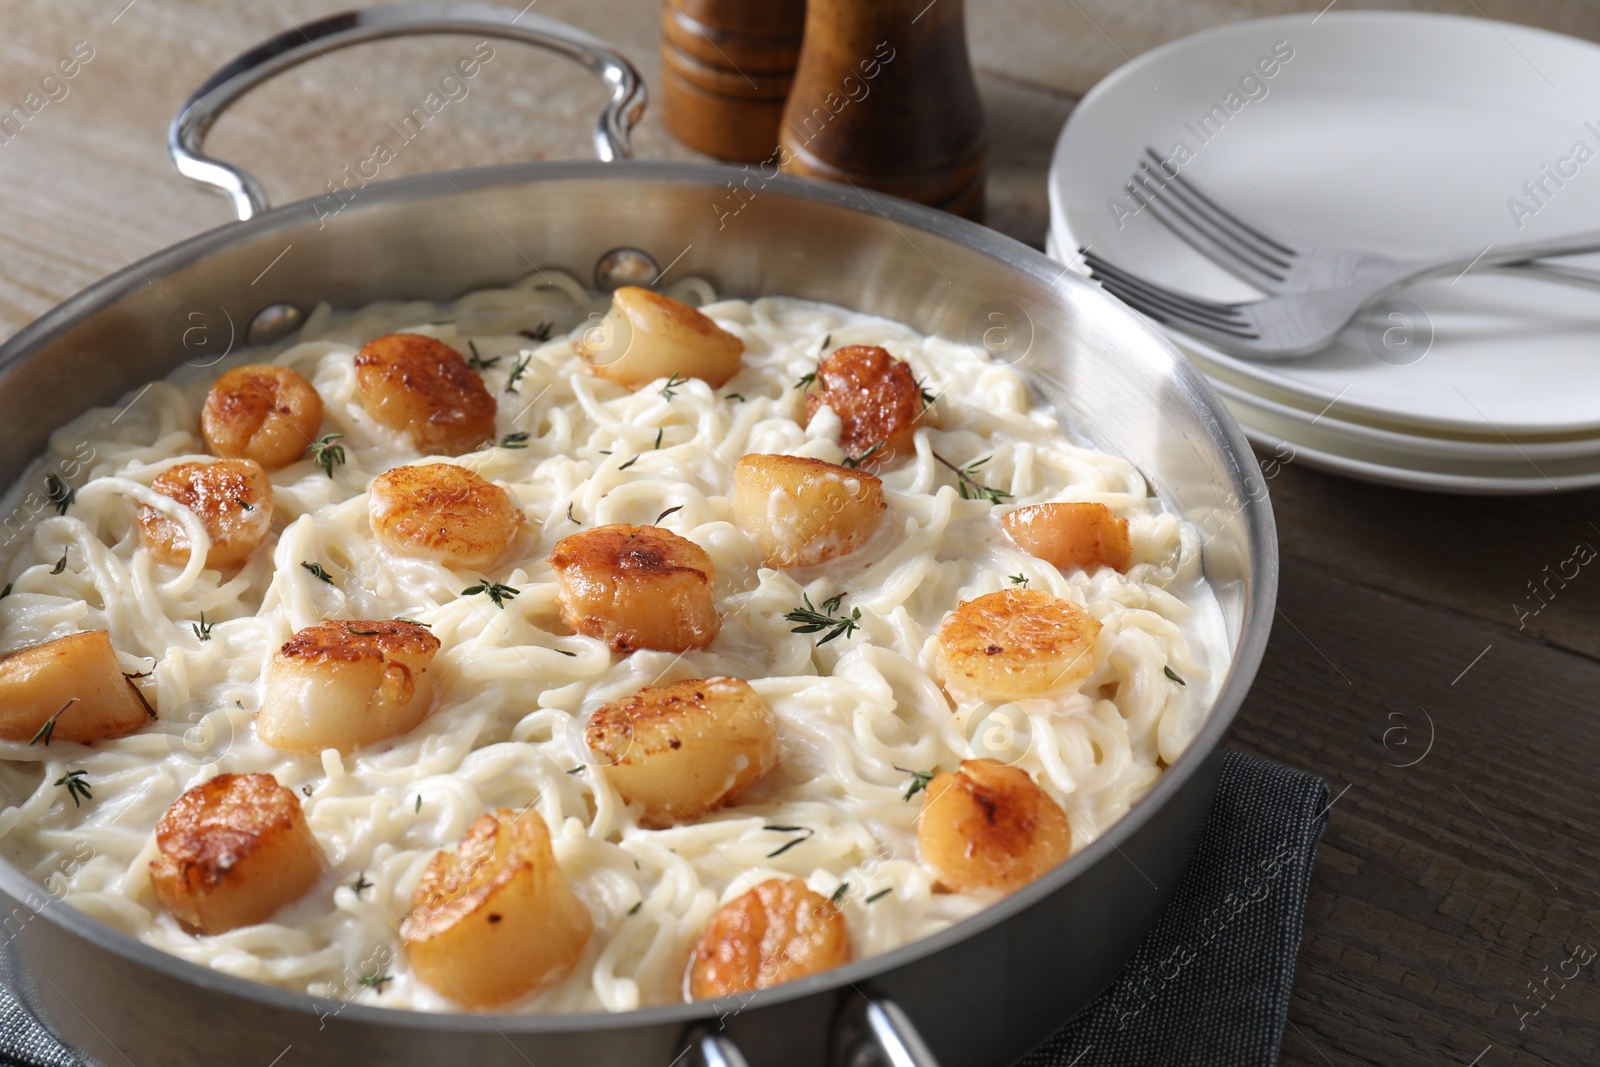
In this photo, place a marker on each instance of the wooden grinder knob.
(884, 97)
(726, 69)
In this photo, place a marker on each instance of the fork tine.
(1267, 241)
(1167, 317)
(1216, 321)
(1192, 307)
(1167, 199)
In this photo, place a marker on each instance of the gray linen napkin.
(1209, 986)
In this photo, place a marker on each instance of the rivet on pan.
(273, 322)
(624, 266)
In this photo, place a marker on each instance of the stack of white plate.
(1404, 134)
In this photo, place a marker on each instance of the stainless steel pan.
(979, 993)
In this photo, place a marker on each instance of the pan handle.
(293, 47)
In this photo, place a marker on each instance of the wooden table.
(1442, 889)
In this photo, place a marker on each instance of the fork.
(1271, 260)
(1290, 324)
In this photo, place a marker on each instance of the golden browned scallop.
(74, 682)
(685, 748)
(876, 397)
(802, 511)
(422, 386)
(646, 336)
(990, 826)
(343, 685)
(777, 932)
(444, 513)
(496, 919)
(1014, 644)
(1072, 535)
(636, 587)
(232, 851)
(231, 497)
(263, 412)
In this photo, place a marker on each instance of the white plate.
(1403, 133)
(1290, 443)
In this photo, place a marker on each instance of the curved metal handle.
(293, 47)
(899, 1041)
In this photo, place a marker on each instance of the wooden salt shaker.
(884, 97)
(726, 69)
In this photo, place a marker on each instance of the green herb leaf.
(578, 769)
(733, 396)
(928, 397)
(1019, 579)
(494, 591)
(805, 833)
(48, 730)
(317, 570)
(805, 381)
(879, 895)
(518, 439)
(476, 361)
(838, 894)
(59, 493)
(1170, 673)
(628, 464)
(919, 781)
(969, 486)
(61, 564)
(418, 808)
(202, 629)
(540, 332)
(658, 437)
(664, 514)
(518, 369)
(635, 909)
(326, 454)
(670, 390)
(809, 620)
(77, 784)
(377, 981)
(854, 462)
(361, 883)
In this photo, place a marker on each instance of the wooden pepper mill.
(884, 97)
(726, 69)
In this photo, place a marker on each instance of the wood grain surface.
(1448, 894)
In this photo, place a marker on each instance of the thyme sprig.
(48, 730)
(494, 591)
(540, 332)
(77, 783)
(1170, 673)
(919, 781)
(518, 369)
(968, 484)
(854, 462)
(477, 361)
(202, 629)
(805, 833)
(811, 621)
(326, 454)
(519, 439)
(317, 570)
(59, 493)
(670, 390)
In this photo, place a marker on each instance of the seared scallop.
(231, 497)
(636, 587)
(74, 682)
(347, 684)
(496, 919)
(444, 513)
(777, 932)
(232, 851)
(989, 826)
(802, 511)
(424, 387)
(876, 397)
(1072, 535)
(646, 336)
(263, 412)
(1015, 644)
(685, 748)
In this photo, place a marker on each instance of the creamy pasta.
(855, 716)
